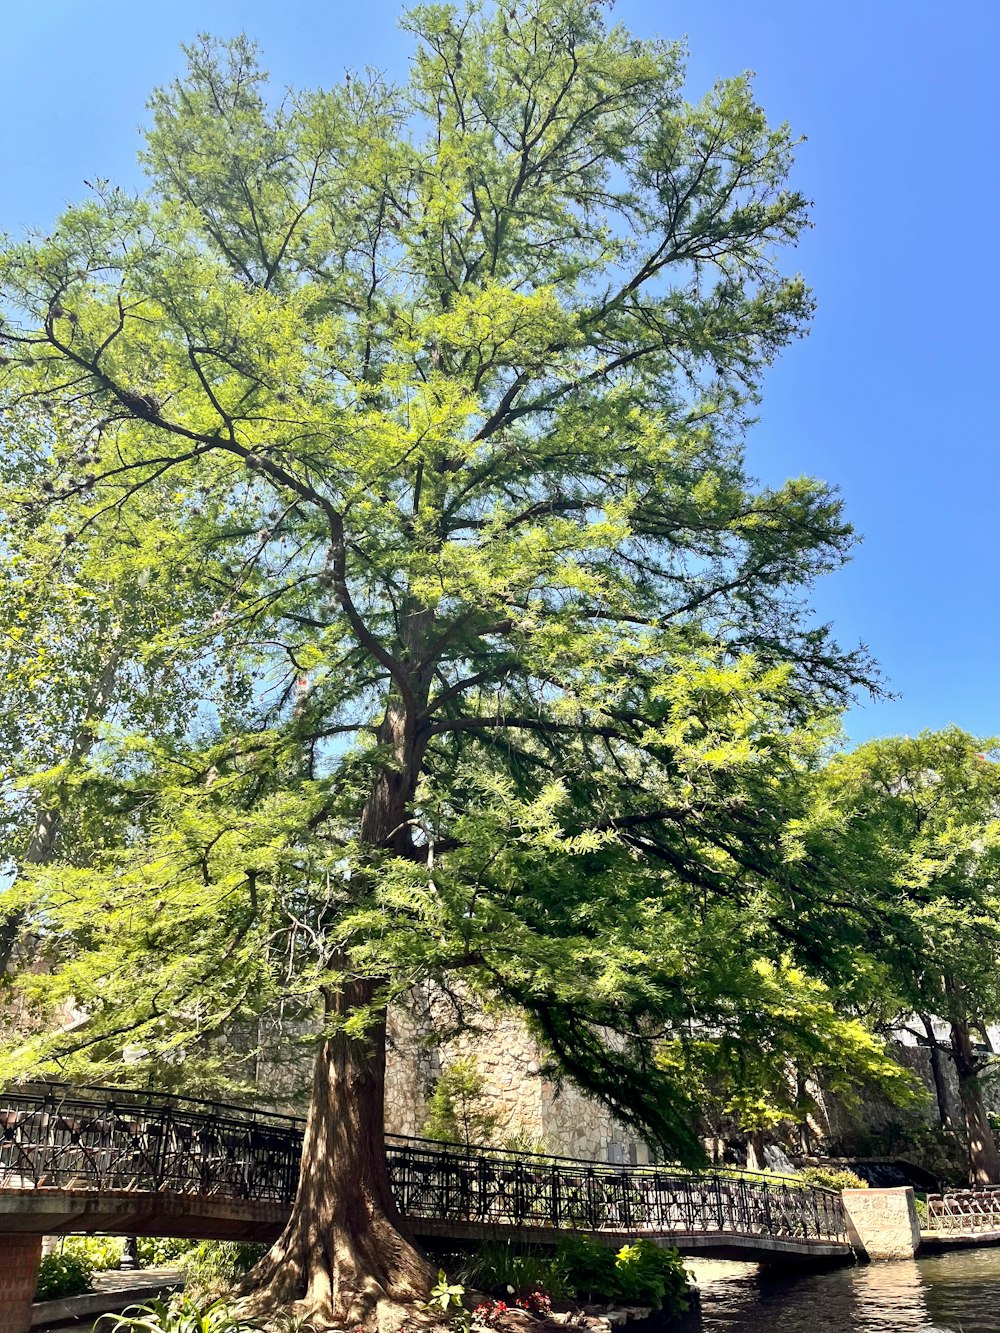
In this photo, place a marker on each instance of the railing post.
(768, 1221)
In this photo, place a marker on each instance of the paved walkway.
(113, 1291)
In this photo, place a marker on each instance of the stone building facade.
(531, 1107)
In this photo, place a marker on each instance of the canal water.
(957, 1292)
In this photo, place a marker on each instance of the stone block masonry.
(19, 1260)
(882, 1224)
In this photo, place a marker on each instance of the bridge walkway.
(124, 1162)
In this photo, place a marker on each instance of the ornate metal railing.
(522, 1190)
(964, 1210)
(112, 1139)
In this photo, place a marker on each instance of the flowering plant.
(490, 1314)
(536, 1302)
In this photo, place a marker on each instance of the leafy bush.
(156, 1250)
(920, 1203)
(642, 1273)
(178, 1315)
(581, 1269)
(833, 1178)
(649, 1275)
(503, 1269)
(588, 1269)
(100, 1252)
(63, 1275)
(215, 1264)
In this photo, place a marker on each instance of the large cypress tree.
(443, 388)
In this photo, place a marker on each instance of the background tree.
(917, 820)
(458, 1109)
(447, 385)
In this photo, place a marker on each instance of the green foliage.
(914, 822)
(220, 1263)
(650, 1275)
(377, 540)
(65, 1274)
(100, 1252)
(504, 1269)
(641, 1272)
(587, 1268)
(833, 1178)
(178, 1315)
(457, 1109)
(158, 1250)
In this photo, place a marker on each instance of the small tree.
(458, 1109)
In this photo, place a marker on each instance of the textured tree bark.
(984, 1159)
(937, 1073)
(344, 1257)
(755, 1151)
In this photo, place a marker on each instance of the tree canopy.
(915, 822)
(423, 406)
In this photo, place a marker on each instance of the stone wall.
(882, 1224)
(531, 1108)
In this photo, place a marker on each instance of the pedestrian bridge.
(139, 1163)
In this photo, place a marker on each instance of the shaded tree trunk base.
(343, 1259)
(334, 1278)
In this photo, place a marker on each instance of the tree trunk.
(343, 1257)
(937, 1073)
(984, 1159)
(755, 1151)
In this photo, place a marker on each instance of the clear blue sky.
(894, 395)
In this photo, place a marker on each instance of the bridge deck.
(99, 1160)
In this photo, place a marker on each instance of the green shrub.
(920, 1203)
(649, 1275)
(156, 1250)
(215, 1264)
(641, 1273)
(178, 1315)
(63, 1275)
(101, 1252)
(833, 1178)
(500, 1268)
(587, 1269)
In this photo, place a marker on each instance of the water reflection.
(953, 1293)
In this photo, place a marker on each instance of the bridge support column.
(882, 1224)
(20, 1256)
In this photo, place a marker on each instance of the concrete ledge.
(107, 1301)
(50, 1212)
(936, 1242)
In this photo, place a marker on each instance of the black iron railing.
(113, 1139)
(492, 1188)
